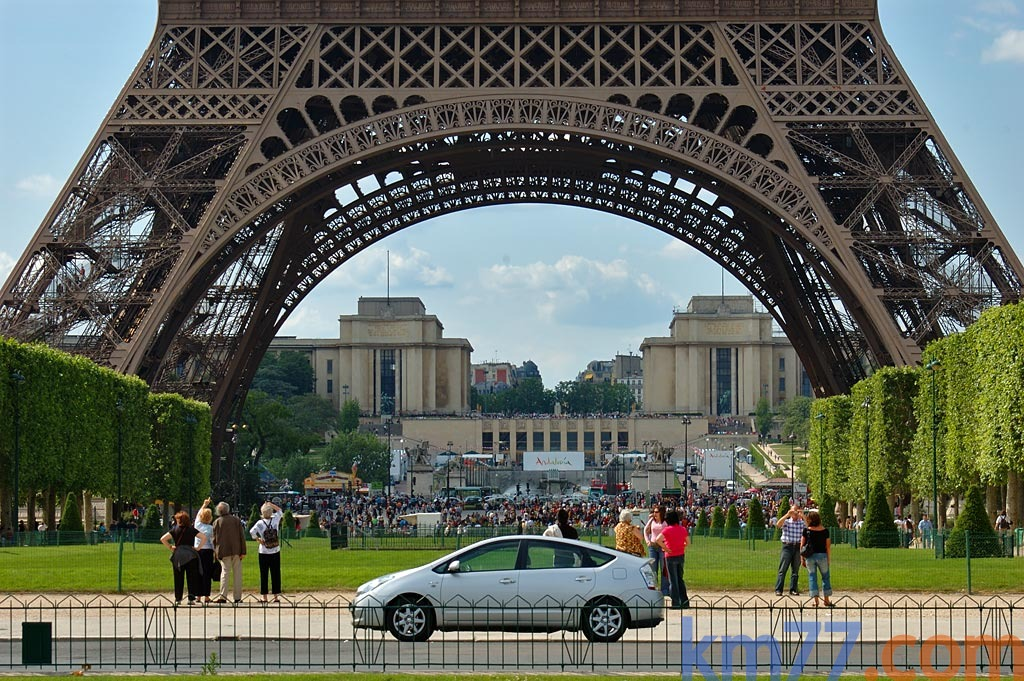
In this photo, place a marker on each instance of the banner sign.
(553, 461)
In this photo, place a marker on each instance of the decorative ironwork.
(781, 138)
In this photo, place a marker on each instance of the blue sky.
(559, 286)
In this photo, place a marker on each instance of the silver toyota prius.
(517, 583)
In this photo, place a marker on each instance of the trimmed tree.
(878, 531)
(827, 509)
(973, 520)
(755, 519)
(783, 509)
(288, 523)
(151, 520)
(71, 516)
(702, 522)
(732, 523)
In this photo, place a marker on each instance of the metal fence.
(726, 635)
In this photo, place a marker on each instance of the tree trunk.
(87, 511)
(108, 512)
(1015, 497)
(844, 511)
(51, 508)
(993, 503)
(30, 509)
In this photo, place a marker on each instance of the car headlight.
(373, 584)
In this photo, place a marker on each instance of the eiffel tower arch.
(781, 138)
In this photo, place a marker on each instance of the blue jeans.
(789, 560)
(815, 564)
(680, 599)
(658, 554)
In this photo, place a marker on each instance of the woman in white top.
(267, 532)
(204, 520)
(652, 530)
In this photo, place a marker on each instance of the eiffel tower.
(781, 138)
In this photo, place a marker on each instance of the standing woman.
(181, 540)
(821, 556)
(673, 540)
(267, 532)
(652, 530)
(628, 537)
(204, 525)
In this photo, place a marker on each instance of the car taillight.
(648, 577)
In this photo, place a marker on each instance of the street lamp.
(792, 466)
(448, 471)
(119, 406)
(190, 421)
(820, 418)
(686, 453)
(17, 378)
(932, 366)
(866, 404)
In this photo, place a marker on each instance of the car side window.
(490, 558)
(546, 556)
(597, 558)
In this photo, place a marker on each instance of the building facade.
(392, 357)
(720, 358)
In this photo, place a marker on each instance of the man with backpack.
(267, 531)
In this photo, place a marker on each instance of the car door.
(481, 590)
(556, 579)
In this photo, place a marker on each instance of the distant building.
(720, 358)
(624, 369)
(492, 377)
(392, 357)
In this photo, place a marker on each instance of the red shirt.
(676, 538)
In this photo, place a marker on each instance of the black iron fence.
(727, 635)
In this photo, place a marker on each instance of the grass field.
(308, 564)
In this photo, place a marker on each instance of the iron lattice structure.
(259, 144)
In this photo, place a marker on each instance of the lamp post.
(933, 365)
(792, 466)
(866, 404)
(17, 378)
(686, 454)
(820, 418)
(448, 471)
(119, 406)
(190, 421)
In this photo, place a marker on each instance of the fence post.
(967, 550)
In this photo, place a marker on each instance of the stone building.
(392, 357)
(720, 358)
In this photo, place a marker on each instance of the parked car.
(517, 583)
(472, 504)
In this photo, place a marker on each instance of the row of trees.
(954, 422)
(84, 428)
(530, 397)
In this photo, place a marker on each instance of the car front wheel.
(409, 619)
(604, 620)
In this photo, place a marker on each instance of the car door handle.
(582, 579)
(506, 580)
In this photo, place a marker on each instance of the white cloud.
(1008, 46)
(998, 7)
(38, 186)
(368, 272)
(6, 265)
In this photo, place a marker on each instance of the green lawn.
(712, 565)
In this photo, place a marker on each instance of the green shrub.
(151, 520)
(827, 508)
(254, 515)
(973, 519)
(878, 531)
(755, 519)
(71, 516)
(783, 509)
(717, 518)
(288, 523)
(732, 522)
(702, 521)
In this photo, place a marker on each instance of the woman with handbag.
(815, 555)
(181, 540)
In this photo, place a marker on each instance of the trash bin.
(36, 643)
(339, 536)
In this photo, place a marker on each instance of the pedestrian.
(206, 560)
(181, 540)
(267, 531)
(652, 530)
(628, 537)
(792, 525)
(924, 529)
(673, 540)
(817, 563)
(229, 548)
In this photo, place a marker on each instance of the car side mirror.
(454, 566)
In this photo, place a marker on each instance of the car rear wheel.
(604, 620)
(410, 619)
